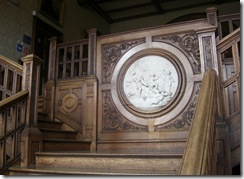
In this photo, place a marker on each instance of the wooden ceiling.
(122, 10)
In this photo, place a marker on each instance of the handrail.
(200, 155)
(13, 99)
(10, 77)
(227, 39)
(9, 62)
(12, 122)
(67, 120)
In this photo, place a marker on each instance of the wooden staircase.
(58, 139)
(64, 154)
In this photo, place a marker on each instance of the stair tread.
(48, 121)
(112, 154)
(90, 171)
(66, 140)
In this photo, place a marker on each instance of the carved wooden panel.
(77, 99)
(148, 83)
(184, 120)
(69, 98)
(113, 120)
(112, 53)
(188, 44)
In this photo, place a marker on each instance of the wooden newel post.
(92, 51)
(31, 137)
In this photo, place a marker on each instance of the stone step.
(57, 145)
(87, 171)
(110, 161)
(58, 134)
(49, 124)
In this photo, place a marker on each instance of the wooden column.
(207, 42)
(31, 137)
(92, 51)
(49, 87)
(52, 58)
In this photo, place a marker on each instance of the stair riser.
(49, 125)
(58, 135)
(110, 163)
(59, 146)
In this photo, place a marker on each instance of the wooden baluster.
(31, 137)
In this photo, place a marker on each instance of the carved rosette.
(113, 120)
(69, 102)
(186, 117)
(112, 53)
(188, 43)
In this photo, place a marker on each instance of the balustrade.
(227, 24)
(12, 123)
(72, 59)
(10, 77)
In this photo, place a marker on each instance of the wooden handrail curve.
(13, 99)
(200, 155)
(9, 62)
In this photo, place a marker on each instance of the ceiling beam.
(136, 16)
(158, 6)
(128, 7)
(97, 9)
(218, 1)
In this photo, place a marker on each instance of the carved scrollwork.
(207, 53)
(112, 53)
(188, 43)
(113, 120)
(27, 76)
(187, 115)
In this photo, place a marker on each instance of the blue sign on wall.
(19, 46)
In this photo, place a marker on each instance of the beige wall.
(81, 18)
(228, 8)
(17, 20)
(14, 22)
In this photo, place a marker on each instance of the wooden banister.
(10, 77)
(200, 155)
(12, 122)
(9, 62)
(13, 99)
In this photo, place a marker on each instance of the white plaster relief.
(150, 82)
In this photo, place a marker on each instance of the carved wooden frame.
(162, 115)
(158, 111)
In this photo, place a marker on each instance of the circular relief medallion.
(69, 102)
(150, 82)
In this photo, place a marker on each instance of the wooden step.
(58, 134)
(42, 116)
(86, 171)
(49, 124)
(110, 161)
(55, 145)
